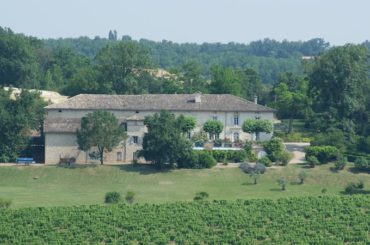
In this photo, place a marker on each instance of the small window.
(189, 135)
(119, 156)
(135, 139)
(236, 136)
(236, 119)
(124, 126)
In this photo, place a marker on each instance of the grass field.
(33, 186)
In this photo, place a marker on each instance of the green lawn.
(32, 186)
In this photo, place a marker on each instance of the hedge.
(324, 154)
(232, 156)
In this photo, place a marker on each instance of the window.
(135, 139)
(236, 136)
(236, 119)
(119, 156)
(124, 126)
(189, 135)
(214, 117)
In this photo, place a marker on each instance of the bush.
(112, 197)
(341, 162)
(282, 183)
(205, 160)
(130, 197)
(200, 196)
(265, 161)
(312, 161)
(284, 158)
(274, 148)
(5, 203)
(333, 137)
(354, 188)
(233, 156)
(324, 154)
(251, 155)
(362, 163)
(302, 177)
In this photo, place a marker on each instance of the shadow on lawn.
(143, 169)
(77, 166)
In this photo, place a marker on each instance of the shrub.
(130, 197)
(362, 163)
(5, 203)
(312, 161)
(282, 183)
(354, 188)
(233, 156)
(265, 161)
(324, 154)
(251, 155)
(333, 137)
(200, 196)
(274, 148)
(199, 138)
(205, 160)
(284, 157)
(302, 177)
(341, 162)
(112, 197)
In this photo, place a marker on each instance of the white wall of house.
(64, 144)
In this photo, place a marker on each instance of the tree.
(302, 176)
(257, 126)
(336, 87)
(282, 183)
(119, 66)
(214, 128)
(17, 119)
(191, 74)
(186, 124)
(291, 98)
(225, 81)
(164, 143)
(101, 130)
(255, 175)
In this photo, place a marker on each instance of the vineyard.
(297, 220)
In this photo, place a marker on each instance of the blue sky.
(337, 21)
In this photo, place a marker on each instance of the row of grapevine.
(304, 220)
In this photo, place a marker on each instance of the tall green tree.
(164, 143)
(100, 130)
(337, 81)
(291, 98)
(118, 66)
(18, 118)
(225, 81)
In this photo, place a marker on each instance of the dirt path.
(297, 149)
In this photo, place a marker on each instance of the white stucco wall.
(62, 144)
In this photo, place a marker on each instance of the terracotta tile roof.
(156, 102)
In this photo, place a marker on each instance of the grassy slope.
(59, 186)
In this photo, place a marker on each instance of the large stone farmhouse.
(63, 119)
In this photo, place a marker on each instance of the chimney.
(256, 99)
(197, 98)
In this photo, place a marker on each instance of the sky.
(243, 21)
